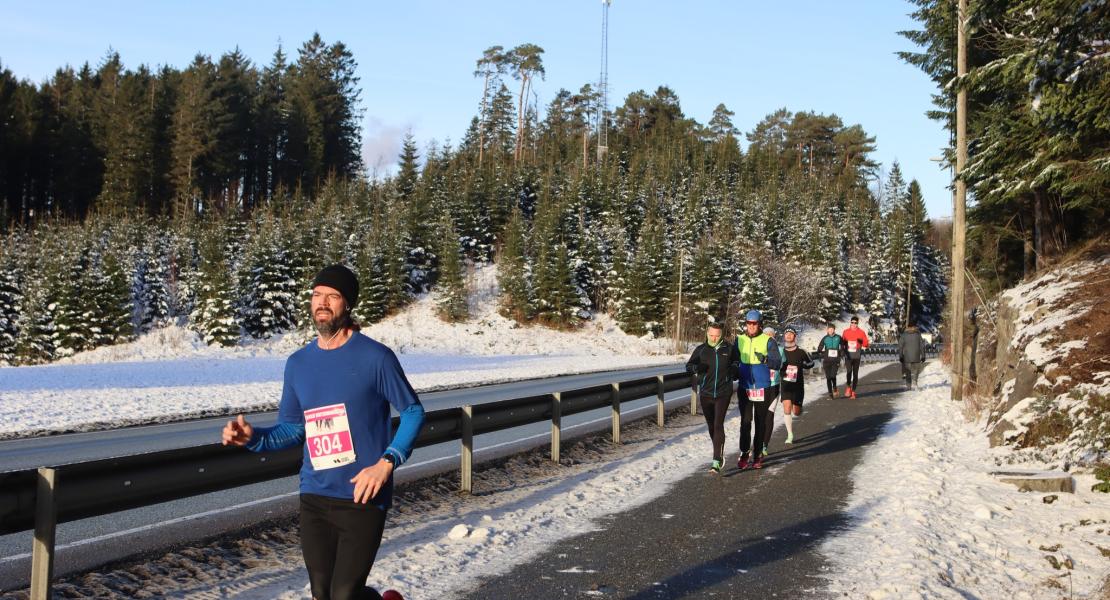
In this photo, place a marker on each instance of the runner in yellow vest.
(757, 354)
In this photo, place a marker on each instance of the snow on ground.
(170, 374)
(442, 547)
(931, 522)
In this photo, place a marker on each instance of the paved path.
(750, 534)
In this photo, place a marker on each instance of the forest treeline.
(207, 197)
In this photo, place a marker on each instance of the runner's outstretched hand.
(237, 432)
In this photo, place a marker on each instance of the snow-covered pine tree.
(214, 313)
(451, 297)
(271, 302)
(753, 292)
(705, 291)
(11, 305)
(513, 272)
(74, 304)
(112, 291)
(373, 294)
(152, 295)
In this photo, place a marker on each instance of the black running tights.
(715, 410)
(339, 540)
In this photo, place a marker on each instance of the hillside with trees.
(208, 196)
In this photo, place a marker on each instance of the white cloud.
(381, 145)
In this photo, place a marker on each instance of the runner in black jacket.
(795, 363)
(714, 364)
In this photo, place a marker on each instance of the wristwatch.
(390, 459)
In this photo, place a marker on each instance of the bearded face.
(329, 310)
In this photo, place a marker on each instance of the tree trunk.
(482, 121)
(1039, 229)
(520, 119)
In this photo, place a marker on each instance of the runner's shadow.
(844, 436)
(762, 549)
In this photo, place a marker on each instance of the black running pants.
(853, 373)
(752, 413)
(715, 409)
(339, 540)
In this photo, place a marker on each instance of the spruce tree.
(451, 297)
(11, 305)
(214, 314)
(513, 273)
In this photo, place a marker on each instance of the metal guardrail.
(41, 498)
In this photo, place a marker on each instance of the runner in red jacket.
(856, 340)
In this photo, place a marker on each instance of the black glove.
(733, 372)
(762, 357)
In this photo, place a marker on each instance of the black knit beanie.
(340, 278)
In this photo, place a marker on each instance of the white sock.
(789, 420)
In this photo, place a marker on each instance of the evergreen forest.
(208, 196)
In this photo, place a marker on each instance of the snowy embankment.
(929, 521)
(171, 375)
(1044, 360)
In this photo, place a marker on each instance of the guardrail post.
(42, 553)
(660, 408)
(556, 424)
(616, 398)
(694, 400)
(467, 439)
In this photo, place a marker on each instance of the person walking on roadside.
(856, 340)
(833, 349)
(773, 395)
(757, 354)
(335, 401)
(795, 363)
(911, 353)
(713, 362)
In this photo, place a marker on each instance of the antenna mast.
(603, 85)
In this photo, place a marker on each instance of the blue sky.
(416, 58)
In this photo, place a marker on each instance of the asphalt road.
(86, 543)
(750, 534)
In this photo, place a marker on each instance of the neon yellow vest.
(748, 346)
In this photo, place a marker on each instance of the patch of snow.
(911, 535)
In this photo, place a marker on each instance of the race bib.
(791, 373)
(328, 437)
(832, 353)
(756, 394)
(852, 346)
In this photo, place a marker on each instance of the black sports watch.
(390, 459)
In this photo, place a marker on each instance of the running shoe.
(742, 462)
(758, 463)
(836, 392)
(392, 595)
(715, 467)
(848, 392)
(790, 438)
(764, 453)
(853, 394)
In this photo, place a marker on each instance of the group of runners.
(338, 391)
(766, 372)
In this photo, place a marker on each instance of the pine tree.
(271, 300)
(451, 297)
(214, 314)
(514, 272)
(11, 305)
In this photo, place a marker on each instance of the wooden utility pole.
(959, 227)
(678, 309)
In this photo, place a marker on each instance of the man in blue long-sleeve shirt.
(335, 401)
